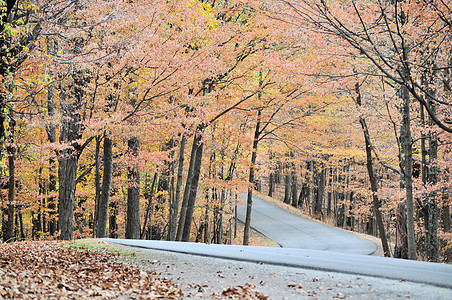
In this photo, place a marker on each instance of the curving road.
(311, 245)
(291, 231)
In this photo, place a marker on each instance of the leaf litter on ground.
(46, 269)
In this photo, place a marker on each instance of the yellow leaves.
(206, 10)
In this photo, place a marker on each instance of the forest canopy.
(154, 119)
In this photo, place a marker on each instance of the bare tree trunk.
(104, 198)
(445, 210)
(11, 193)
(51, 134)
(193, 189)
(330, 192)
(149, 195)
(207, 217)
(287, 188)
(173, 211)
(133, 192)
(408, 168)
(320, 190)
(372, 179)
(220, 218)
(67, 169)
(271, 185)
(113, 224)
(294, 187)
(401, 246)
(249, 201)
(97, 185)
(190, 173)
(180, 170)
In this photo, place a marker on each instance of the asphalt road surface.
(311, 245)
(291, 231)
(383, 267)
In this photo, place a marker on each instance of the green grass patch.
(100, 245)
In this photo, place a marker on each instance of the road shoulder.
(206, 278)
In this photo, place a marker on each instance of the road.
(291, 231)
(324, 248)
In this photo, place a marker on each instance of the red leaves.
(47, 270)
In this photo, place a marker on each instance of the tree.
(369, 36)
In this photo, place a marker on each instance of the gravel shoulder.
(207, 278)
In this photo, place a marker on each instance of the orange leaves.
(48, 270)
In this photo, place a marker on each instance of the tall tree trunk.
(190, 174)
(173, 211)
(249, 201)
(97, 185)
(431, 216)
(294, 187)
(104, 198)
(271, 177)
(445, 210)
(220, 218)
(180, 170)
(407, 151)
(113, 224)
(320, 191)
(372, 179)
(401, 245)
(149, 195)
(51, 135)
(270, 184)
(287, 188)
(67, 169)
(206, 220)
(11, 193)
(193, 188)
(340, 206)
(330, 192)
(133, 191)
(156, 230)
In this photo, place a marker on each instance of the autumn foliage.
(151, 119)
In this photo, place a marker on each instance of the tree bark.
(133, 191)
(51, 135)
(270, 185)
(286, 188)
(11, 193)
(249, 201)
(408, 168)
(206, 221)
(97, 185)
(193, 188)
(106, 186)
(180, 170)
(401, 246)
(445, 210)
(173, 211)
(372, 179)
(113, 224)
(190, 174)
(294, 187)
(67, 170)
(320, 191)
(330, 192)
